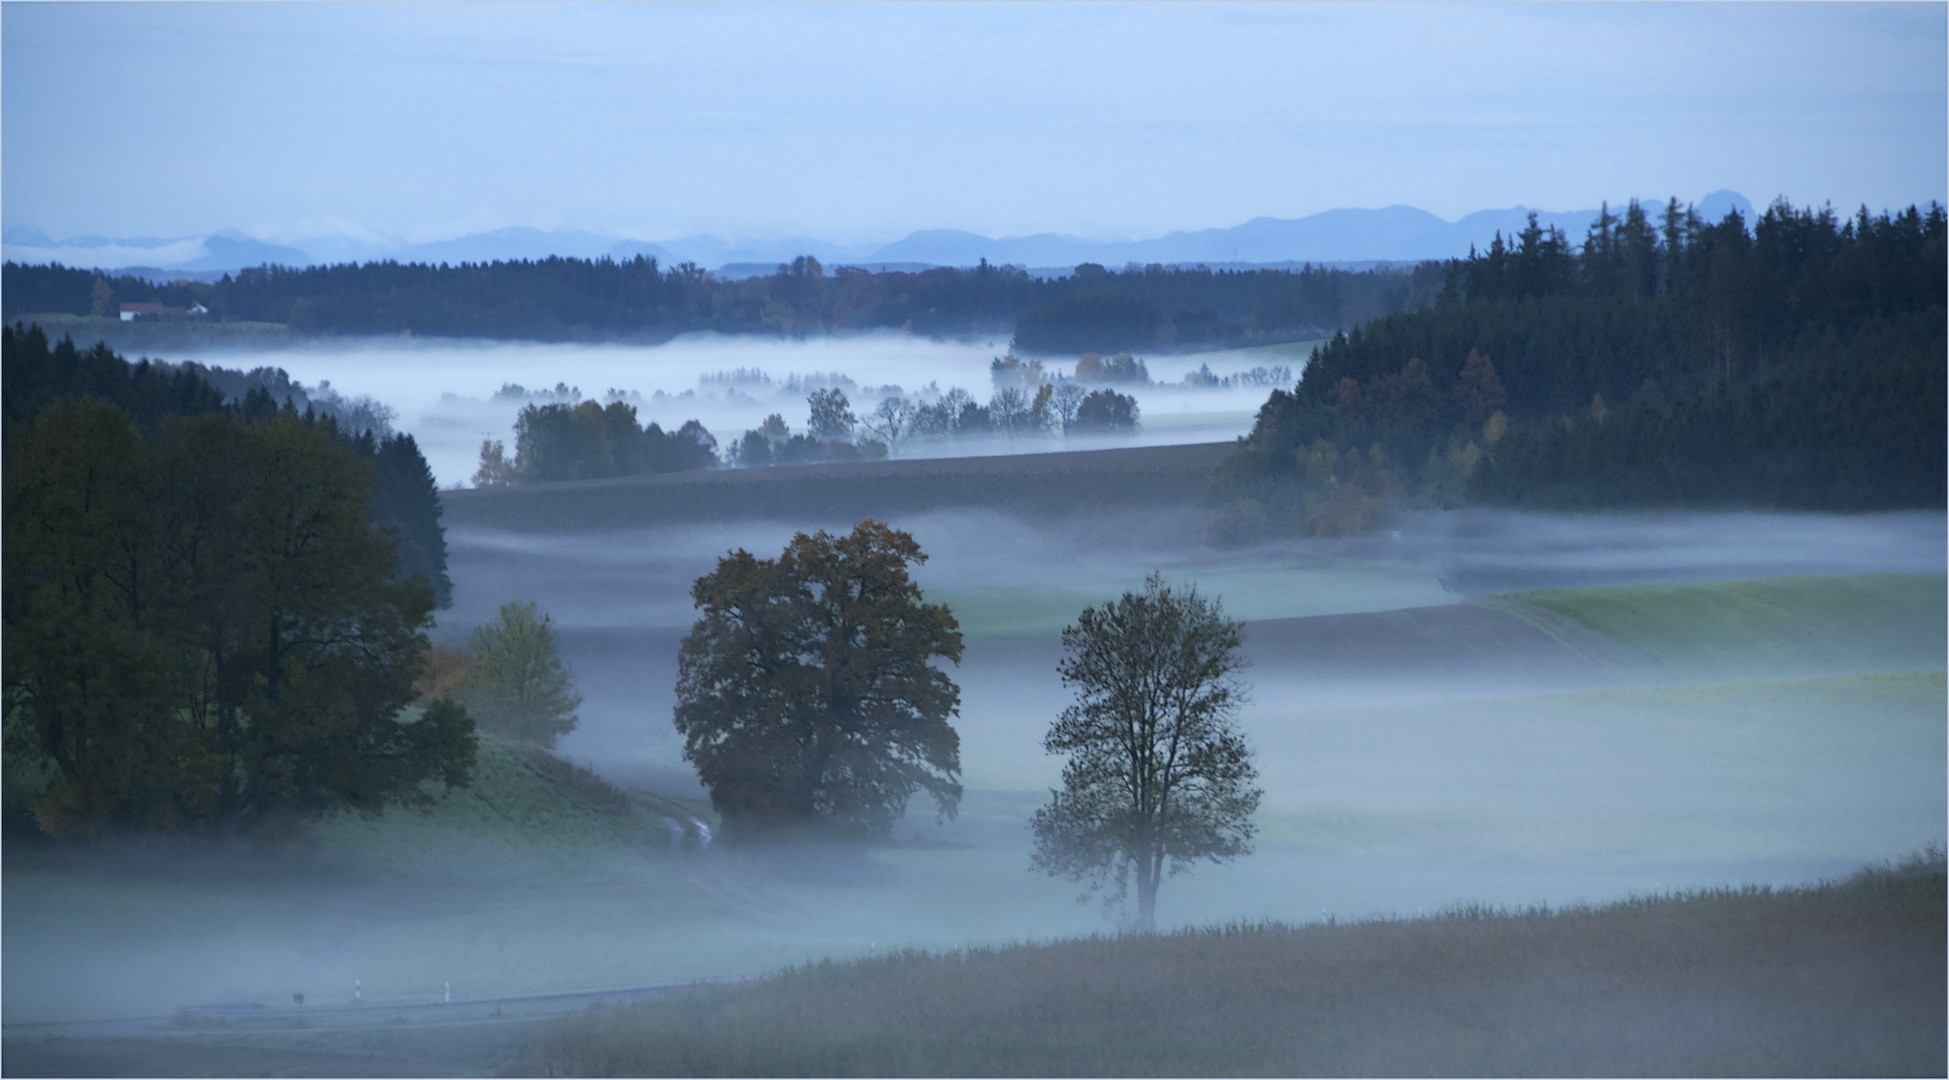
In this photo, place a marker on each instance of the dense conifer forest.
(405, 498)
(1091, 310)
(1675, 362)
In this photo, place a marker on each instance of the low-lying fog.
(1412, 759)
(444, 391)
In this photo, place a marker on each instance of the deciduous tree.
(1158, 776)
(517, 685)
(1106, 410)
(806, 695)
(832, 415)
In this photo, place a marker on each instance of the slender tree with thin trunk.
(1158, 775)
(518, 685)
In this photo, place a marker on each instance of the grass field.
(530, 882)
(538, 877)
(1644, 785)
(1413, 752)
(1781, 623)
(468, 1049)
(1248, 592)
(1840, 980)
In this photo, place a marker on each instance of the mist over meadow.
(1449, 699)
(742, 583)
(444, 391)
(1416, 752)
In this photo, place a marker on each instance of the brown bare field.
(1835, 980)
(1052, 484)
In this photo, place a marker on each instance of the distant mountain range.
(1393, 234)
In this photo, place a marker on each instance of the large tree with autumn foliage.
(807, 696)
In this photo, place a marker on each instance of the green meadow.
(1769, 623)
(1001, 613)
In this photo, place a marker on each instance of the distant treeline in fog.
(556, 299)
(588, 441)
(1678, 362)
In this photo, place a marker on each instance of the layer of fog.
(1434, 772)
(623, 599)
(444, 391)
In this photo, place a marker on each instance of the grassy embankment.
(533, 879)
(522, 800)
(1835, 979)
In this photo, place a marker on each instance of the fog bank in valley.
(1419, 747)
(444, 391)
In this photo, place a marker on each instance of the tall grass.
(1843, 978)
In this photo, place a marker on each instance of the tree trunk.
(1147, 873)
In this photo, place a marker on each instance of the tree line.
(406, 500)
(559, 299)
(1020, 408)
(585, 440)
(206, 618)
(1795, 363)
(588, 441)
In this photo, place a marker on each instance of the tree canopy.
(588, 441)
(1105, 410)
(806, 695)
(205, 628)
(1158, 776)
(405, 499)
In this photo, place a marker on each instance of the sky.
(860, 123)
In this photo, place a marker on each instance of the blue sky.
(861, 123)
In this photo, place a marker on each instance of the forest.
(1796, 363)
(1093, 309)
(406, 500)
(215, 612)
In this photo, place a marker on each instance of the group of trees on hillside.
(204, 627)
(588, 441)
(1797, 363)
(1090, 309)
(405, 500)
(206, 617)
